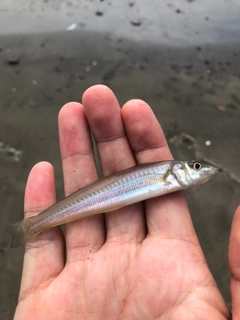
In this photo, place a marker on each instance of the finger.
(104, 117)
(234, 263)
(167, 215)
(78, 170)
(44, 254)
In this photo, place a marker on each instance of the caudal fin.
(18, 232)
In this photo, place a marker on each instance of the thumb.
(234, 263)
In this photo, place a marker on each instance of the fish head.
(193, 172)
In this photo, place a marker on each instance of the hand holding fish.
(144, 260)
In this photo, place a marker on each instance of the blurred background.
(180, 56)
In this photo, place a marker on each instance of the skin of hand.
(143, 261)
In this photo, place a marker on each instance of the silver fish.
(129, 186)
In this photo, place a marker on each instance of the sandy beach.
(187, 69)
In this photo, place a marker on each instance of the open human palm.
(143, 261)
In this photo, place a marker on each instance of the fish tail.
(19, 232)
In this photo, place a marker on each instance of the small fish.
(129, 186)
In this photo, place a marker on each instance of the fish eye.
(197, 165)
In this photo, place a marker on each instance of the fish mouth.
(210, 172)
(213, 170)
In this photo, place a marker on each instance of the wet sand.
(192, 89)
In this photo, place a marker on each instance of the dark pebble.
(99, 13)
(136, 23)
(13, 61)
